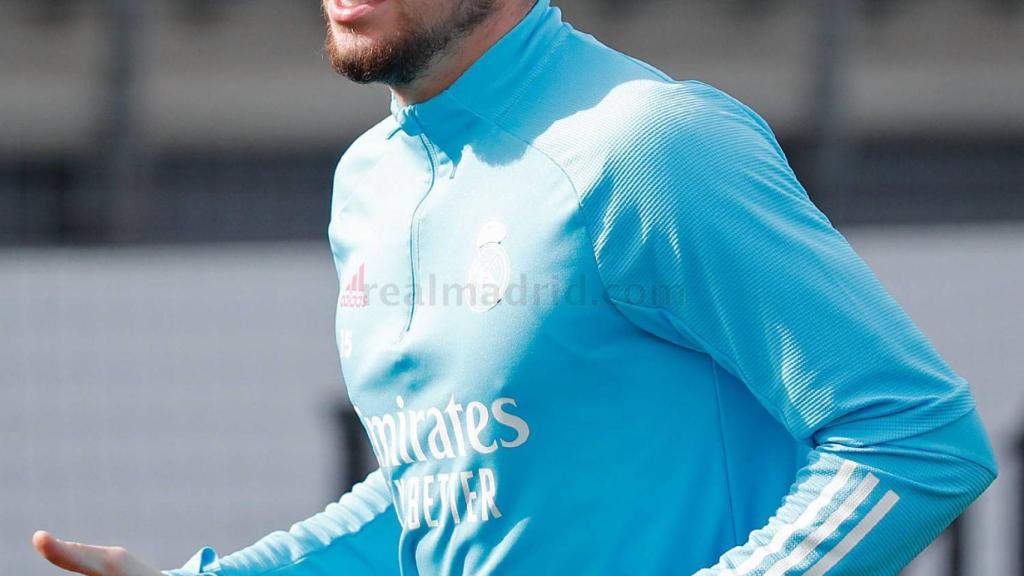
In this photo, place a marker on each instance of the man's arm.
(706, 205)
(358, 534)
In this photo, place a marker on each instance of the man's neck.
(467, 50)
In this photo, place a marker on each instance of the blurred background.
(168, 377)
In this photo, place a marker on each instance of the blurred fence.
(184, 120)
(286, 194)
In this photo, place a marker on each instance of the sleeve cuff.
(205, 562)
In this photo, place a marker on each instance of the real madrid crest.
(491, 270)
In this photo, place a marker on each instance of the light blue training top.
(593, 325)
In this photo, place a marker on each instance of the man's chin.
(346, 51)
(367, 63)
(370, 55)
(347, 43)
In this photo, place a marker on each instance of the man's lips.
(350, 11)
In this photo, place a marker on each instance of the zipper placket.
(414, 230)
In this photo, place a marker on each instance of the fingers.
(80, 558)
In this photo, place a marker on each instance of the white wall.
(164, 397)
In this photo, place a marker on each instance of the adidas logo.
(354, 294)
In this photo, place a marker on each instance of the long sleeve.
(358, 534)
(724, 253)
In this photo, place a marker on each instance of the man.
(659, 357)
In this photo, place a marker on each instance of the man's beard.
(404, 56)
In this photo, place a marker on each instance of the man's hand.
(90, 560)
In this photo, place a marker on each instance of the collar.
(491, 83)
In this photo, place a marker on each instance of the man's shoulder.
(367, 149)
(646, 125)
(654, 122)
(655, 111)
(361, 156)
(589, 104)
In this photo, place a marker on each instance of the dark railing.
(285, 194)
(956, 546)
(355, 448)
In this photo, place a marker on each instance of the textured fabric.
(347, 533)
(593, 324)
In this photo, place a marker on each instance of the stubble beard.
(406, 55)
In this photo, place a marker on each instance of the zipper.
(414, 228)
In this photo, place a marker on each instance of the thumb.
(81, 558)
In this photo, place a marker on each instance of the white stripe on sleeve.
(806, 519)
(827, 528)
(836, 554)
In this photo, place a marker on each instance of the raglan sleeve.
(702, 207)
(358, 534)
